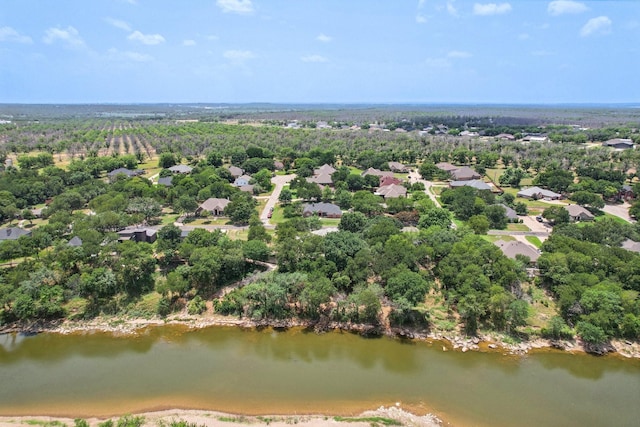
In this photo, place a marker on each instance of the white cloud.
(68, 36)
(149, 39)
(560, 7)
(523, 36)
(324, 38)
(8, 34)
(314, 58)
(213, 38)
(542, 53)
(235, 6)
(188, 43)
(599, 25)
(491, 9)
(458, 54)
(238, 55)
(421, 19)
(118, 24)
(421, 3)
(116, 55)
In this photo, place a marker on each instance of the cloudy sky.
(351, 51)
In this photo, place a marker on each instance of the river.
(269, 372)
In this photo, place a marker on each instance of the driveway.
(279, 182)
(415, 177)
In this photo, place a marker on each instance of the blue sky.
(331, 51)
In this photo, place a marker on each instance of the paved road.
(279, 181)
(621, 211)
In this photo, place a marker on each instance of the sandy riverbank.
(217, 419)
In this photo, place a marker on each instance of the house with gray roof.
(13, 233)
(392, 191)
(324, 169)
(376, 172)
(538, 193)
(398, 167)
(464, 173)
(242, 180)
(326, 210)
(181, 169)
(511, 215)
(236, 171)
(138, 234)
(513, 248)
(474, 183)
(75, 242)
(579, 213)
(619, 143)
(166, 181)
(124, 171)
(213, 206)
(630, 245)
(447, 167)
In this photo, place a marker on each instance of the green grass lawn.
(609, 216)
(496, 238)
(517, 227)
(277, 216)
(535, 241)
(329, 222)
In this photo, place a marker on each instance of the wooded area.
(418, 261)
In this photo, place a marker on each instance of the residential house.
(181, 169)
(236, 171)
(75, 242)
(13, 233)
(242, 180)
(512, 248)
(469, 133)
(626, 193)
(447, 167)
(630, 245)
(619, 143)
(538, 193)
(392, 191)
(213, 206)
(388, 180)
(326, 210)
(124, 171)
(321, 179)
(579, 213)
(322, 175)
(324, 169)
(505, 136)
(246, 188)
(398, 167)
(474, 183)
(376, 172)
(278, 165)
(511, 215)
(166, 181)
(138, 234)
(464, 173)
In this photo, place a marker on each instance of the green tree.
(556, 215)
(479, 224)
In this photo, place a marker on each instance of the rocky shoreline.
(450, 342)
